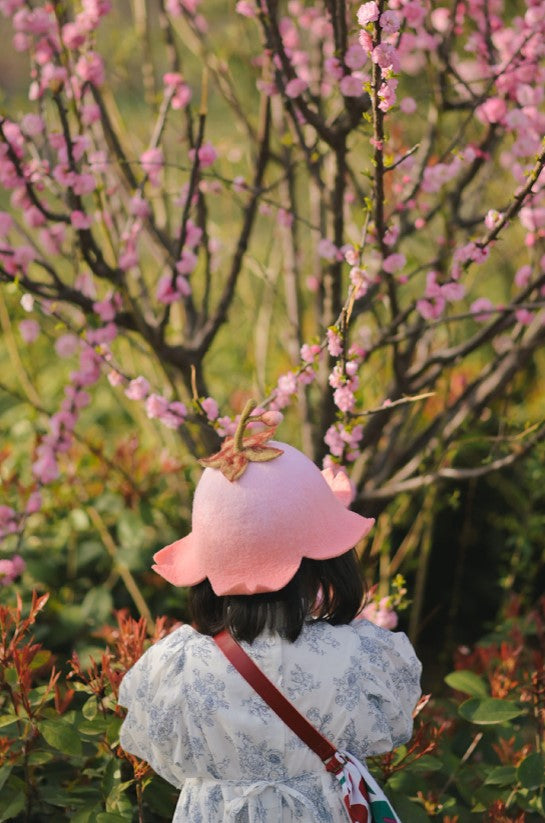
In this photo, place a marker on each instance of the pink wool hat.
(250, 534)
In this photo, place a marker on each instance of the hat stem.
(239, 434)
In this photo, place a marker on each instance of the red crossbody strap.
(285, 710)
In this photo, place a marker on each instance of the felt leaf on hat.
(232, 461)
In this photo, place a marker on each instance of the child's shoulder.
(361, 637)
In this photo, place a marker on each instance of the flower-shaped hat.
(259, 508)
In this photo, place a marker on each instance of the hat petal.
(179, 562)
(340, 485)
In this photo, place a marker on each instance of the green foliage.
(476, 759)
(482, 758)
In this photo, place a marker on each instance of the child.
(270, 559)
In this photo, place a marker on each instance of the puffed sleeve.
(390, 676)
(154, 726)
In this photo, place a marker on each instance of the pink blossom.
(80, 220)
(105, 309)
(391, 235)
(207, 155)
(287, 383)
(139, 207)
(407, 105)
(295, 87)
(72, 35)
(387, 94)
(8, 521)
(414, 13)
(524, 317)
(27, 302)
(181, 91)
(137, 389)
(245, 8)
(381, 615)
(272, 418)
(492, 218)
(128, 259)
(482, 309)
(386, 56)
(310, 352)
(394, 262)
(152, 162)
(453, 291)
(334, 441)
(90, 113)
(328, 250)
(440, 19)
(45, 468)
(115, 378)
(226, 426)
(285, 218)
(492, 110)
(174, 415)
(32, 124)
(103, 335)
(85, 284)
(355, 56)
(334, 342)
(360, 280)
(34, 503)
(523, 276)
(83, 184)
(344, 399)
(351, 86)
(66, 345)
(9, 7)
(210, 408)
(156, 405)
(368, 13)
(6, 223)
(431, 309)
(532, 218)
(11, 569)
(90, 68)
(187, 262)
(389, 22)
(29, 330)
(366, 41)
(193, 234)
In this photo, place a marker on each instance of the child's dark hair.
(330, 590)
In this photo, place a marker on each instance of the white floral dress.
(197, 722)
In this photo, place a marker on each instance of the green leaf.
(424, 764)
(39, 757)
(79, 519)
(406, 810)
(489, 711)
(61, 736)
(531, 772)
(5, 772)
(90, 708)
(40, 659)
(501, 776)
(86, 815)
(93, 727)
(109, 817)
(97, 605)
(7, 720)
(13, 798)
(468, 682)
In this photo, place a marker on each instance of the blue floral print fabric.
(197, 722)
